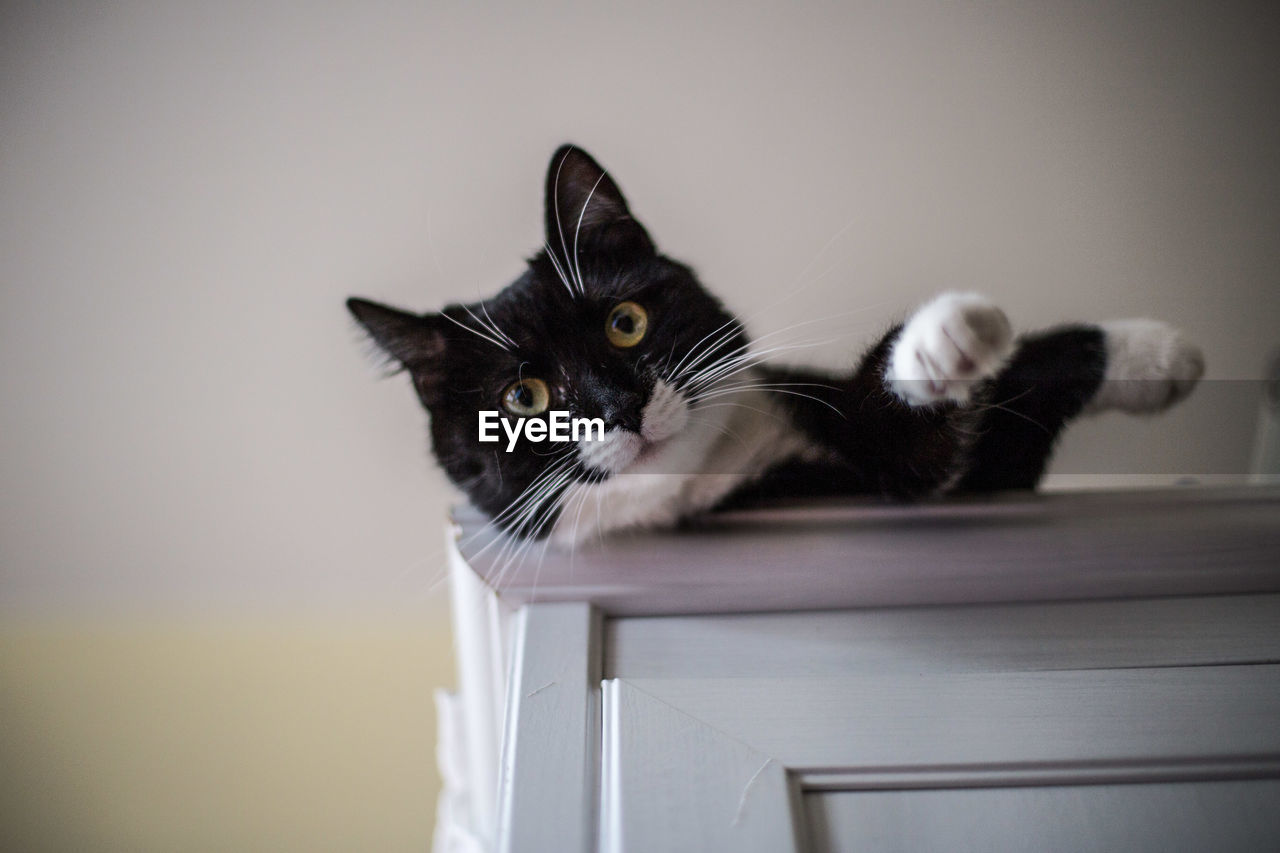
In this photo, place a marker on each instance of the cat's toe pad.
(946, 347)
(1150, 366)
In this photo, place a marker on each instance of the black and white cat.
(604, 326)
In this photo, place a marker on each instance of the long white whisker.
(720, 428)
(582, 288)
(585, 493)
(494, 326)
(526, 496)
(1018, 414)
(736, 364)
(520, 536)
(558, 464)
(487, 327)
(675, 371)
(533, 509)
(555, 202)
(709, 350)
(820, 252)
(561, 500)
(715, 394)
(551, 256)
(497, 343)
(764, 386)
(599, 515)
(773, 415)
(685, 365)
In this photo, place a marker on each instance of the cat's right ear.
(414, 340)
(585, 210)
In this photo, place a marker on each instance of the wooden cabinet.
(1062, 672)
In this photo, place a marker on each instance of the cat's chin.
(685, 472)
(680, 454)
(649, 451)
(645, 457)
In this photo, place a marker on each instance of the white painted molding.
(673, 782)
(479, 620)
(551, 747)
(1043, 774)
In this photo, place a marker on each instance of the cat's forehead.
(541, 301)
(553, 316)
(589, 280)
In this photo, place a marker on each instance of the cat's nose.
(611, 400)
(623, 412)
(617, 407)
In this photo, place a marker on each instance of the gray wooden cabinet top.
(826, 555)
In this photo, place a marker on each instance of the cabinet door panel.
(1075, 726)
(1003, 722)
(1197, 631)
(1194, 817)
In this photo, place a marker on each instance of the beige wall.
(303, 733)
(188, 427)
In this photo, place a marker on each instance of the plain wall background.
(188, 191)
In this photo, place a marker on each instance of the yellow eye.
(526, 397)
(626, 325)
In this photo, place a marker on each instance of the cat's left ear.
(415, 341)
(585, 210)
(408, 338)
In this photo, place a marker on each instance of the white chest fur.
(723, 444)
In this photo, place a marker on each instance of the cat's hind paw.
(948, 345)
(1150, 366)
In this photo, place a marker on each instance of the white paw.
(947, 346)
(1150, 366)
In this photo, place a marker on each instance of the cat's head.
(600, 325)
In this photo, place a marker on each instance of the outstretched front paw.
(1150, 366)
(948, 345)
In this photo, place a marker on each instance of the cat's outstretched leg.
(948, 346)
(958, 339)
(1150, 366)
(899, 425)
(1137, 366)
(951, 402)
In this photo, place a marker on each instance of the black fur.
(1051, 378)
(873, 442)
(557, 336)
